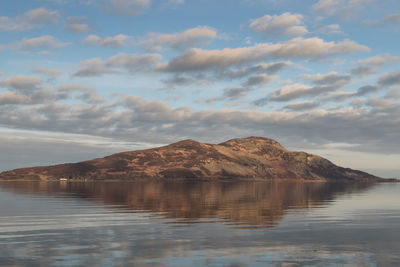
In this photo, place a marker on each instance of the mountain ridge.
(241, 158)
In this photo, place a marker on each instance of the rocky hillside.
(245, 158)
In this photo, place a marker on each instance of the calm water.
(194, 224)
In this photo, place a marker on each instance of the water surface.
(199, 223)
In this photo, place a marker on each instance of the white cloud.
(200, 35)
(29, 20)
(112, 41)
(284, 24)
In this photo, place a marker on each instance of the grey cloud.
(393, 18)
(94, 67)
(48, 72)
(371, 65)
(200, 35)
(284, 24)
(229, 94)
(331, 78)
(111, 41)
(312, 48)
(362, 91)
(134, 118)
(78, 25)
(135, 62)
(345, 9)
(127, 7)
(21, 82)
(295, 91)
(86, 93)
(261, 68)
(393, 93)
(13, 98)
(235, 93)
(390, 79)
(300, 106)
(29, 20)
(181, 80)
(330, 29)
(367, 89)
(132, 7)
(261, 101)
(258, 80)
(40, 43)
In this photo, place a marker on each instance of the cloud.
(129, 62)
(260, 68)
(21, 82)
(330, 29)
(127, 7)
(392, 78)
(94, 67)
(258, 80)
(292, 91)
(198, 36)
(86, 93)
(284, 24)
(362, 91)
(135, 62)
(48, 72)
(300, 106)
(393, 93)
(133, 118)
(229, 94)
(112, 41)
(78, 25)
(13, 98)
(313, 48)
(43, 43)
(345, 9)
(393, 18)
(29, 20)
(371, 65)
(331, 78)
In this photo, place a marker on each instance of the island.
(251, 158)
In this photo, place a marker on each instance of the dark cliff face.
(245, 158)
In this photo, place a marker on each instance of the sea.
(187, 223)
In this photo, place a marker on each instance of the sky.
(81, 79)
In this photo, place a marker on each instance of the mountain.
(244, 158)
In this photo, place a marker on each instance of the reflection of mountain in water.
(248, 203)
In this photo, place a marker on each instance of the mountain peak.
(240, 158)
(253, 141)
